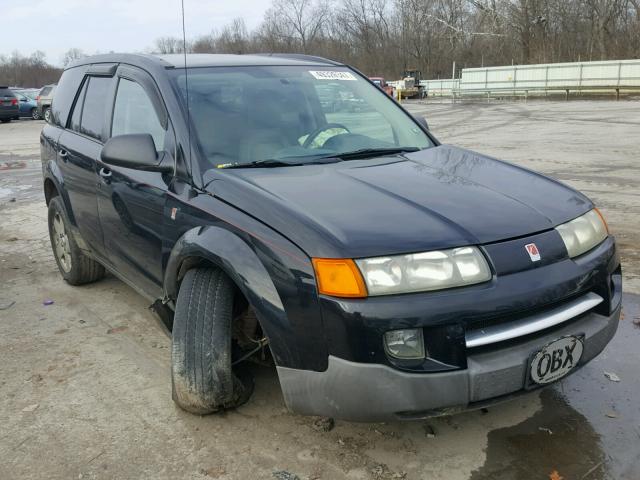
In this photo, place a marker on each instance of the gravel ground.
(85, 386)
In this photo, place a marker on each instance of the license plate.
(556, 359)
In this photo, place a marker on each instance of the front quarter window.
(294, 114)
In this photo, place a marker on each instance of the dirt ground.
(85, 385)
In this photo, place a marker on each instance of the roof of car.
(205, 60)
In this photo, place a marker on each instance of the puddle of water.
(528, 450)
(594, 422)
(11, 192)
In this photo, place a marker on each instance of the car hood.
(436, 198)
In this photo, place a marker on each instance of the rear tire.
(5, 120)
(34, 114)
(47, 114)
(203, 380)
(75, 267)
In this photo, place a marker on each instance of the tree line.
(386, 37)
(382, 37)
(27, 71)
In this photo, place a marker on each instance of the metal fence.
(614, 75)
(441, 88)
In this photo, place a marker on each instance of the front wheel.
(5, 120)
(75, 267)
(203, 380)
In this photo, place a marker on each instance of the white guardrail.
(614, 75)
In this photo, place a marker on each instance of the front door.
(131, 203)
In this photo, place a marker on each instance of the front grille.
(483, 323)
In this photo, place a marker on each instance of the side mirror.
(133, 151)
(422, 121)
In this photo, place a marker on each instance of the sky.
(101, 26)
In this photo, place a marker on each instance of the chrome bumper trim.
(533, 323)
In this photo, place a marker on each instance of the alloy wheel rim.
(61, 243)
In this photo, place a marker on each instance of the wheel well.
(245, 322)
(50, 190)
(200, 262)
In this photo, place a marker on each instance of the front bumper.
(374, 392)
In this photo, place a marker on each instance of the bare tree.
(299, 20)
(72, 55)
(166, 45)
(27, 71)
(385, 37)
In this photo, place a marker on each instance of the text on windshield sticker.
(329, 75)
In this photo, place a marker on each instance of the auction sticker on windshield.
(332, 75)
(556, 359)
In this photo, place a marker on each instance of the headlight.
(583, 233)
(419, 272)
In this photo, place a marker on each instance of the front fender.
(240, 261)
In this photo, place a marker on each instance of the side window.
(65, 93)
(134, 113)
(93, 110)
(74, 124)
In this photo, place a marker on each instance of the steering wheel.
(316, 133)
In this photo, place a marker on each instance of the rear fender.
(52, 173)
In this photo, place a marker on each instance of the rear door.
(79, 148)
(131, 203)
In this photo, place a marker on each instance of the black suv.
(9, 106)
(386, 276)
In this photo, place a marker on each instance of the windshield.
(244, 115)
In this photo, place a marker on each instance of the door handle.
(105, 173)
(63, 154)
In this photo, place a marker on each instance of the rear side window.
(93, 110)
(77, 110)
(134, 113)
(64, 94)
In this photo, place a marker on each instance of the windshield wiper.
(274, 162)
(294, 161)
(266, 163)
(372, 152)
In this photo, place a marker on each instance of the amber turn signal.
(606, 226)
(339, 277)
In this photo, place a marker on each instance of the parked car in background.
(28, 104)
(9, 108)
(44, 99)
(30, 92)
(382, 84)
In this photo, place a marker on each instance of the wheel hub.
(61, 243)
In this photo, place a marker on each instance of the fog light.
(404, 344)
